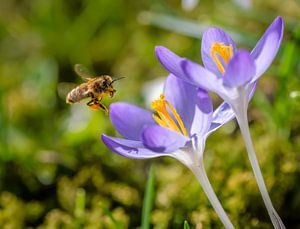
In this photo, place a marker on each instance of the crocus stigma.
(164, 119)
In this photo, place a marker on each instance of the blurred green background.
(54, 170)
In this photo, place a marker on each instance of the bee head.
(113, 91)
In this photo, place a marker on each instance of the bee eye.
(104, 84)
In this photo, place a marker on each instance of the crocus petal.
(221, 115)
(170, 61)
(129, 148)
(209, 37)
(252, 91)
(201, 77)
(181, 96)
(191, 105)
(203, 113)
(130, 120)
(240, 69)
(163, 140)
(267, 47)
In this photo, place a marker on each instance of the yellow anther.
(219, 50)
(163, 118)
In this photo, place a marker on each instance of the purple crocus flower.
(184, 120)
(188, 117)
(232, 74)
(229, 72)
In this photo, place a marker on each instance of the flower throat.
(164, 119)
(219, 50)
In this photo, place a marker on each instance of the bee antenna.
(114, 80)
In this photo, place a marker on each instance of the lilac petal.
(170, 61)
(209, 37)
(221, 115)
(201, 77)
(267, 47)
(129, 148)
(253, 89)
(203, 113)
(130, 120)
(187, 70)
(193, 107)
(163, 140)
(240, 69)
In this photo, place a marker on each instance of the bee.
(95, 87)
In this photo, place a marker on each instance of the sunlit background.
(54, 170)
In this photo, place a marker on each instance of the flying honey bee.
(95, 88)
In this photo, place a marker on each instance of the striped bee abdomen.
(77, 94)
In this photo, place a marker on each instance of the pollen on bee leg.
(94, 106)
(164, 119)
(103, 108)
(220, 50)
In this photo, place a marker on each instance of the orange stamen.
(164, 118)
(219, 50)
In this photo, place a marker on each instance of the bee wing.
(64, 88)
(82, 72)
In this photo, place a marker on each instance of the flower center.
(163, 107)
(220, 51)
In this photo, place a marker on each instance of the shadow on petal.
(130, 120)
(163, 140)
(129, 148)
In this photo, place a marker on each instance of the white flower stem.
(243, 123)
(199, 172)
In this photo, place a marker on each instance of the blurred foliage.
(54, 170)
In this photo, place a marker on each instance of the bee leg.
(103, 107)
(93, 104)
(90, 103)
